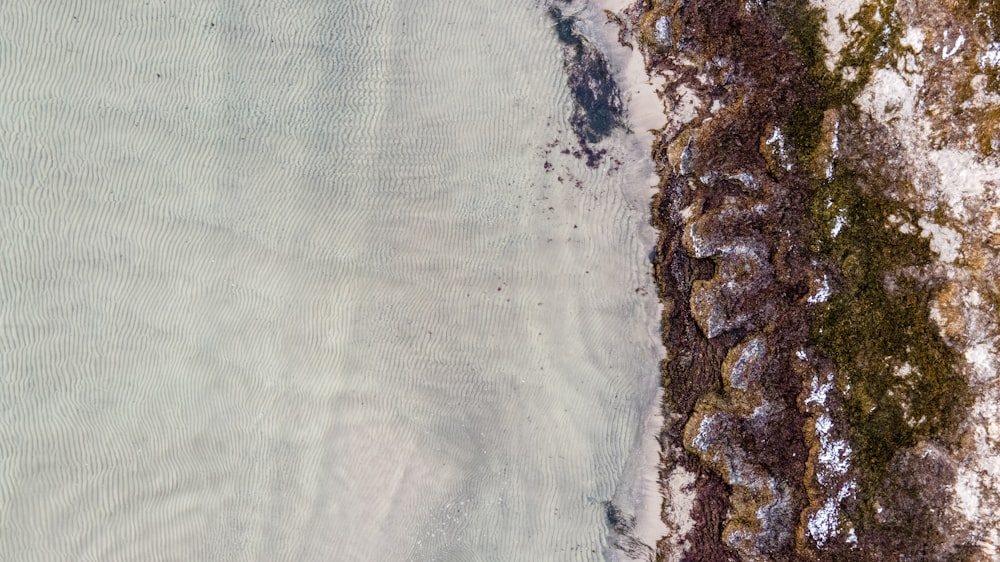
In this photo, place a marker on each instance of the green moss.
(899, 375)
(871, 332)
(874, 33)
(805, 128)
(873, 41)
(858, 201)
(804, 28)
(871, 328)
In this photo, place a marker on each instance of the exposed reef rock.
(829, 211)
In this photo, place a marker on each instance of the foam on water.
(289, 281)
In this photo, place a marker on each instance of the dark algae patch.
(597, 103)
(784, 228)
(623, 527)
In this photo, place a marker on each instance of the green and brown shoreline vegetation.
(810, 390)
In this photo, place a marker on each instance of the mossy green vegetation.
(836, 196)
(873, 42)
(903, 385)
(899, 378)
(874, 33)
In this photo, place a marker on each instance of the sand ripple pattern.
(287, 281)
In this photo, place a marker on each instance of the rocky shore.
(828, 220)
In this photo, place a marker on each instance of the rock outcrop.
(829, 211)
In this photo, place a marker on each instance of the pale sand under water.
(290, 282)
(643, 494)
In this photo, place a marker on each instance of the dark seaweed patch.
(623, 533)
(597, 103)
(564, 28)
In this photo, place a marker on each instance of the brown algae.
(788, 140)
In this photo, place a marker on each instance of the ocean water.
(290, 281)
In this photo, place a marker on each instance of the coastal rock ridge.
(829, 218)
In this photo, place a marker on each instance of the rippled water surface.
(290, 281)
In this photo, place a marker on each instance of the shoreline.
(645, 112)
(827, 293)
(635, 512)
